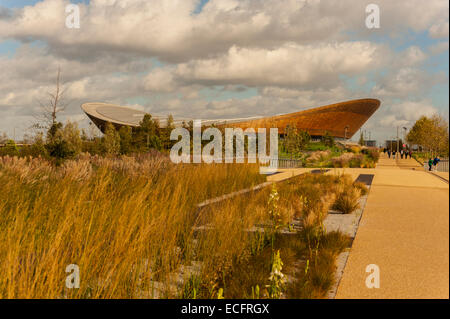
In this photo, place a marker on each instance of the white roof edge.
(90, 108)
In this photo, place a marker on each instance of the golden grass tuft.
(133, 226)
(126, 222)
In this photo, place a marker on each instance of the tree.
(38, 146)
(54, 132)
(63, 141)
(430, 133)
(165, 134)
(295, 141)
(11, 147)
(111, 140)
(327, 139)
(304, 139)
(71, 134)
(291, 140)
(361, 139)
(50, 109)
(147, 134)
(126, 138)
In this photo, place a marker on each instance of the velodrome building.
(341, 120)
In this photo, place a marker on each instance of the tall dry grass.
(308, 254)
(127, 223)
(133, 226)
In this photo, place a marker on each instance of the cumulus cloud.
(294, 54)
(289, 65)
(171, 31)
(32, 72)
(160, 80)
(5, 13)
(411, 56)
(439, 30)
(406, 82)
(406, 113)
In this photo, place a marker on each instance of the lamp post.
(404, 135)
(397, 140)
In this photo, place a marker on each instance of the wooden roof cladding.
(333, 118)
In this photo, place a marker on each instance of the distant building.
(341, 120)
(392, 144)
(370, 143)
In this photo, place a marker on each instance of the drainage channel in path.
(348, 224)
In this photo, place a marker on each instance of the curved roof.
(340, 119)
(113, 113)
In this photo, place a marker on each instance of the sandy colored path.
(405, 231)
(285, 173)
(443, 175)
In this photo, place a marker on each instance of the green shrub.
(328, 140)
(10, 149)
(59, 150)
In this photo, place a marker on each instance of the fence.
(441, 167)
(275, 162)
(288, 162)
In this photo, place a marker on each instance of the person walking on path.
(436, 162)
(410, 153)
(401, 154)
(389, 153)
(430, 164)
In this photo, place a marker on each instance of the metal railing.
(441, 167)
(277, 162)
(288, 162)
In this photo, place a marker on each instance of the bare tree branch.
(56, 104)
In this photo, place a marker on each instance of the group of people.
(403, 153)
(433, 162)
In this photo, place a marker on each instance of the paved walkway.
(443, 175)
(285, 173)
(405, 231)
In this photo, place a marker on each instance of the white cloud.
(406, 82)
(439, 30)
(406, 113)
(290, 65)
(169, 30)
(160, 80)
(294, 52)
(412, 56)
